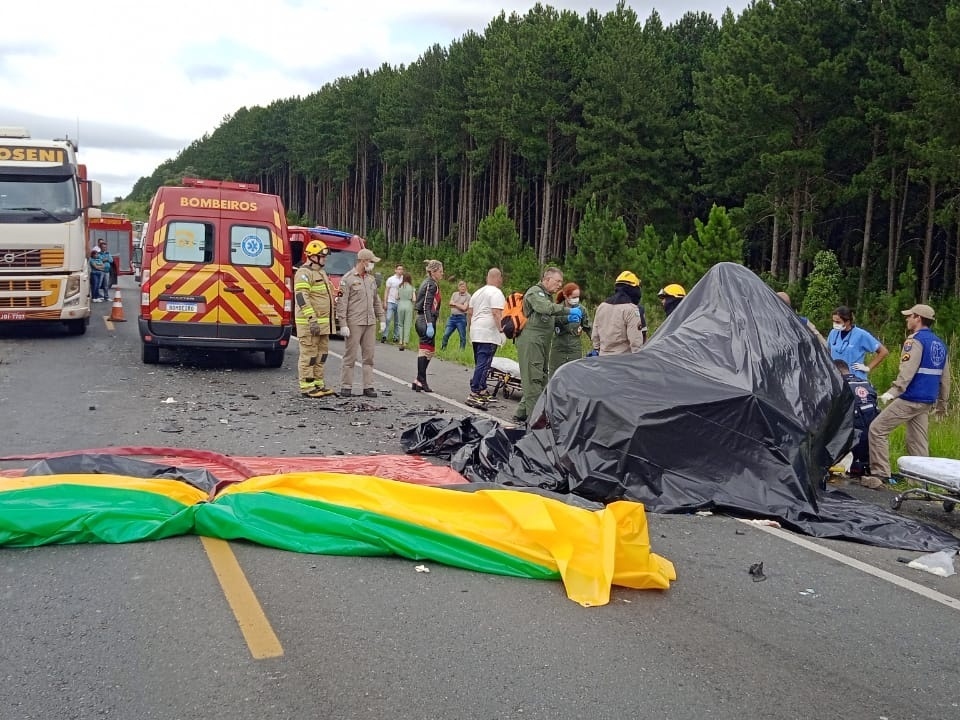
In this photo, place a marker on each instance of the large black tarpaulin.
(732, 405)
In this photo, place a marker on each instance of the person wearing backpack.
(533, 343)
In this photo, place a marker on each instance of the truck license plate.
(181, 307)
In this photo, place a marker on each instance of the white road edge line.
(438, 396)
(860, 565)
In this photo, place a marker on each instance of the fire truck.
(117, 230)
(46, 202)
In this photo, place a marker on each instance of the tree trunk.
(436, 199)
(901, 219)
(956, 263)
(892, 231)
(775, 246)
(794, 260)
(864, 257)
(545, 228)
(928, 240)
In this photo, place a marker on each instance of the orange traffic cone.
(116, 312)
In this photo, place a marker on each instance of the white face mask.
(838, 326)
(369, 267)
(574, 301)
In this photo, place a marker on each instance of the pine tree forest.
(798, 128)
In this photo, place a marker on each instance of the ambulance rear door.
(185, 279)
(253, 279)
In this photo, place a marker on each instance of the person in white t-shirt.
(484, 313)
(390, 290)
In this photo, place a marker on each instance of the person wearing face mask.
(851, 344)
(359, 310)
(922, 385)
(567, 345)
(619, 324)
(313, 294)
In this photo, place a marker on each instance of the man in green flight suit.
(533, 345)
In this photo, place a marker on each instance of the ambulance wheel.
(896, 501)
(76, 327)
(151, 354)
(273, 358)
(948, 506)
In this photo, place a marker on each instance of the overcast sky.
(139, 81)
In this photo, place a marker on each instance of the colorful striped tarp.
(502, 531)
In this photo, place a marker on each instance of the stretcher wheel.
(896, 501)
(948, 506)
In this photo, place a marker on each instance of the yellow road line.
(261, 639)
(108, 322)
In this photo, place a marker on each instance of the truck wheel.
(273, 358)
(151, 354)
(76, 327)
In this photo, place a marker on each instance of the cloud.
(141, 90)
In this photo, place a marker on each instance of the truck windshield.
(40, 199)
(340, 262)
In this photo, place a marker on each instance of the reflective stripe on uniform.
(929, 371)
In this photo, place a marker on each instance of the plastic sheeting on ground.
(503, 531)
(229, 468)
(733, 405)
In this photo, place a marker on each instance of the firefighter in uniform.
(670, 296)
(314, 317)
(619, 324)
(533, 344)
(922, 383)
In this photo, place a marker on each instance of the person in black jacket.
(427, 307)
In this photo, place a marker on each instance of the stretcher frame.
(500, 380)
(928, 488)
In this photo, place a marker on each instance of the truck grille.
(31, 258)
(43, 293)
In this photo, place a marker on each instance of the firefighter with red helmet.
(313, 295)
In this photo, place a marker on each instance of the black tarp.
(102, 464)
(733, 405)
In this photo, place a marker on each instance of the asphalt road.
(145, 631)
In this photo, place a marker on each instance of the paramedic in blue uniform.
(922, 385)
(851, 344)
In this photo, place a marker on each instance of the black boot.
(423, 376)
(417, 384)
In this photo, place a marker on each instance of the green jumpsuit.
(533, 345)
(566, 344)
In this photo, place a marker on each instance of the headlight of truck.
(73, 286)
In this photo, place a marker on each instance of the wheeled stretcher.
(938, 478)
(504, 374)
